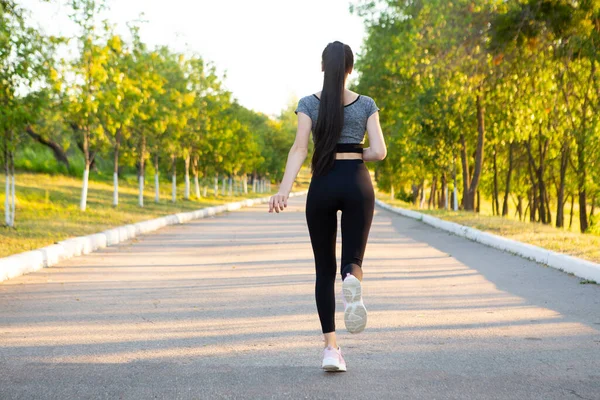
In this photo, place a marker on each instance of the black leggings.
(346, 187)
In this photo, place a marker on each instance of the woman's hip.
(346, 178)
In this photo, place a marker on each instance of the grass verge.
(586, 246)
(48, 207)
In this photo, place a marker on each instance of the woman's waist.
(349, 148)
(348, 151)
(348, 156)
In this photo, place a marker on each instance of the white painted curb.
(30, 261)
(577, 266)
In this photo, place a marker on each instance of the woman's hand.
(278, 202)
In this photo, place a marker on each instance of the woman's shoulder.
(310, 99)
(308, 104)
(368, 105)
(366, 99)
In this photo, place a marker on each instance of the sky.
(270, 50)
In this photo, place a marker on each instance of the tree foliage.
(501, 96)
(118, 99)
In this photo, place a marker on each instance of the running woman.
(338, 119)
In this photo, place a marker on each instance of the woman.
(340, 180)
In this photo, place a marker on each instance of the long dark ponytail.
(337, 61)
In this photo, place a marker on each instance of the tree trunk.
(533, 191)
(455, 198)
(548, 210)
(142, 171)
(536, 172)
(116, 169)
(7, 195)
(81, 147)
(59, 154)
(415, 193)
(156, 180)
(508, 179)
(422, 199)
(115, 201)
(216, 185)
(580, 138)
(472, 185)
(465, 169)
(572, 210)
(583, 220)
(479, 152)
(186, 192)
(454, 188)
(443, 203)
(10, 200)
(245, 183)
(174, 179)
(86, 172)
(533, 204)
(495, 195)
(542, 185)
(520, 207)
(196, 183)
(582, 175)
(84, 188)
(560, 194)
(13, 193)
(432, 192)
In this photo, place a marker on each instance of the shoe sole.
(332, 366)
(355, 314)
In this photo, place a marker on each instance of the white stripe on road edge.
(577, 266)
(30, 261)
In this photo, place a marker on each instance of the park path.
(223, 307)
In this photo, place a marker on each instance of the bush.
(406, 196)
(594, 226)
(40, 159)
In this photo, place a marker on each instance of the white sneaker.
(355, 313)
(333, 360)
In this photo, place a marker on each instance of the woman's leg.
(321, 219)
(357, 214)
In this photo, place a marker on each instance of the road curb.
(30, 261)
(576, 266)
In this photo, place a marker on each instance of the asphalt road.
(224, 307)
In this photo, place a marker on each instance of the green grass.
(48, 207)
(586, 246)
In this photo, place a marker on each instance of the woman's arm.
(377, 149)
(296, 157)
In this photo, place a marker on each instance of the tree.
(82, 92)
(119, 99)
(24, 63)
